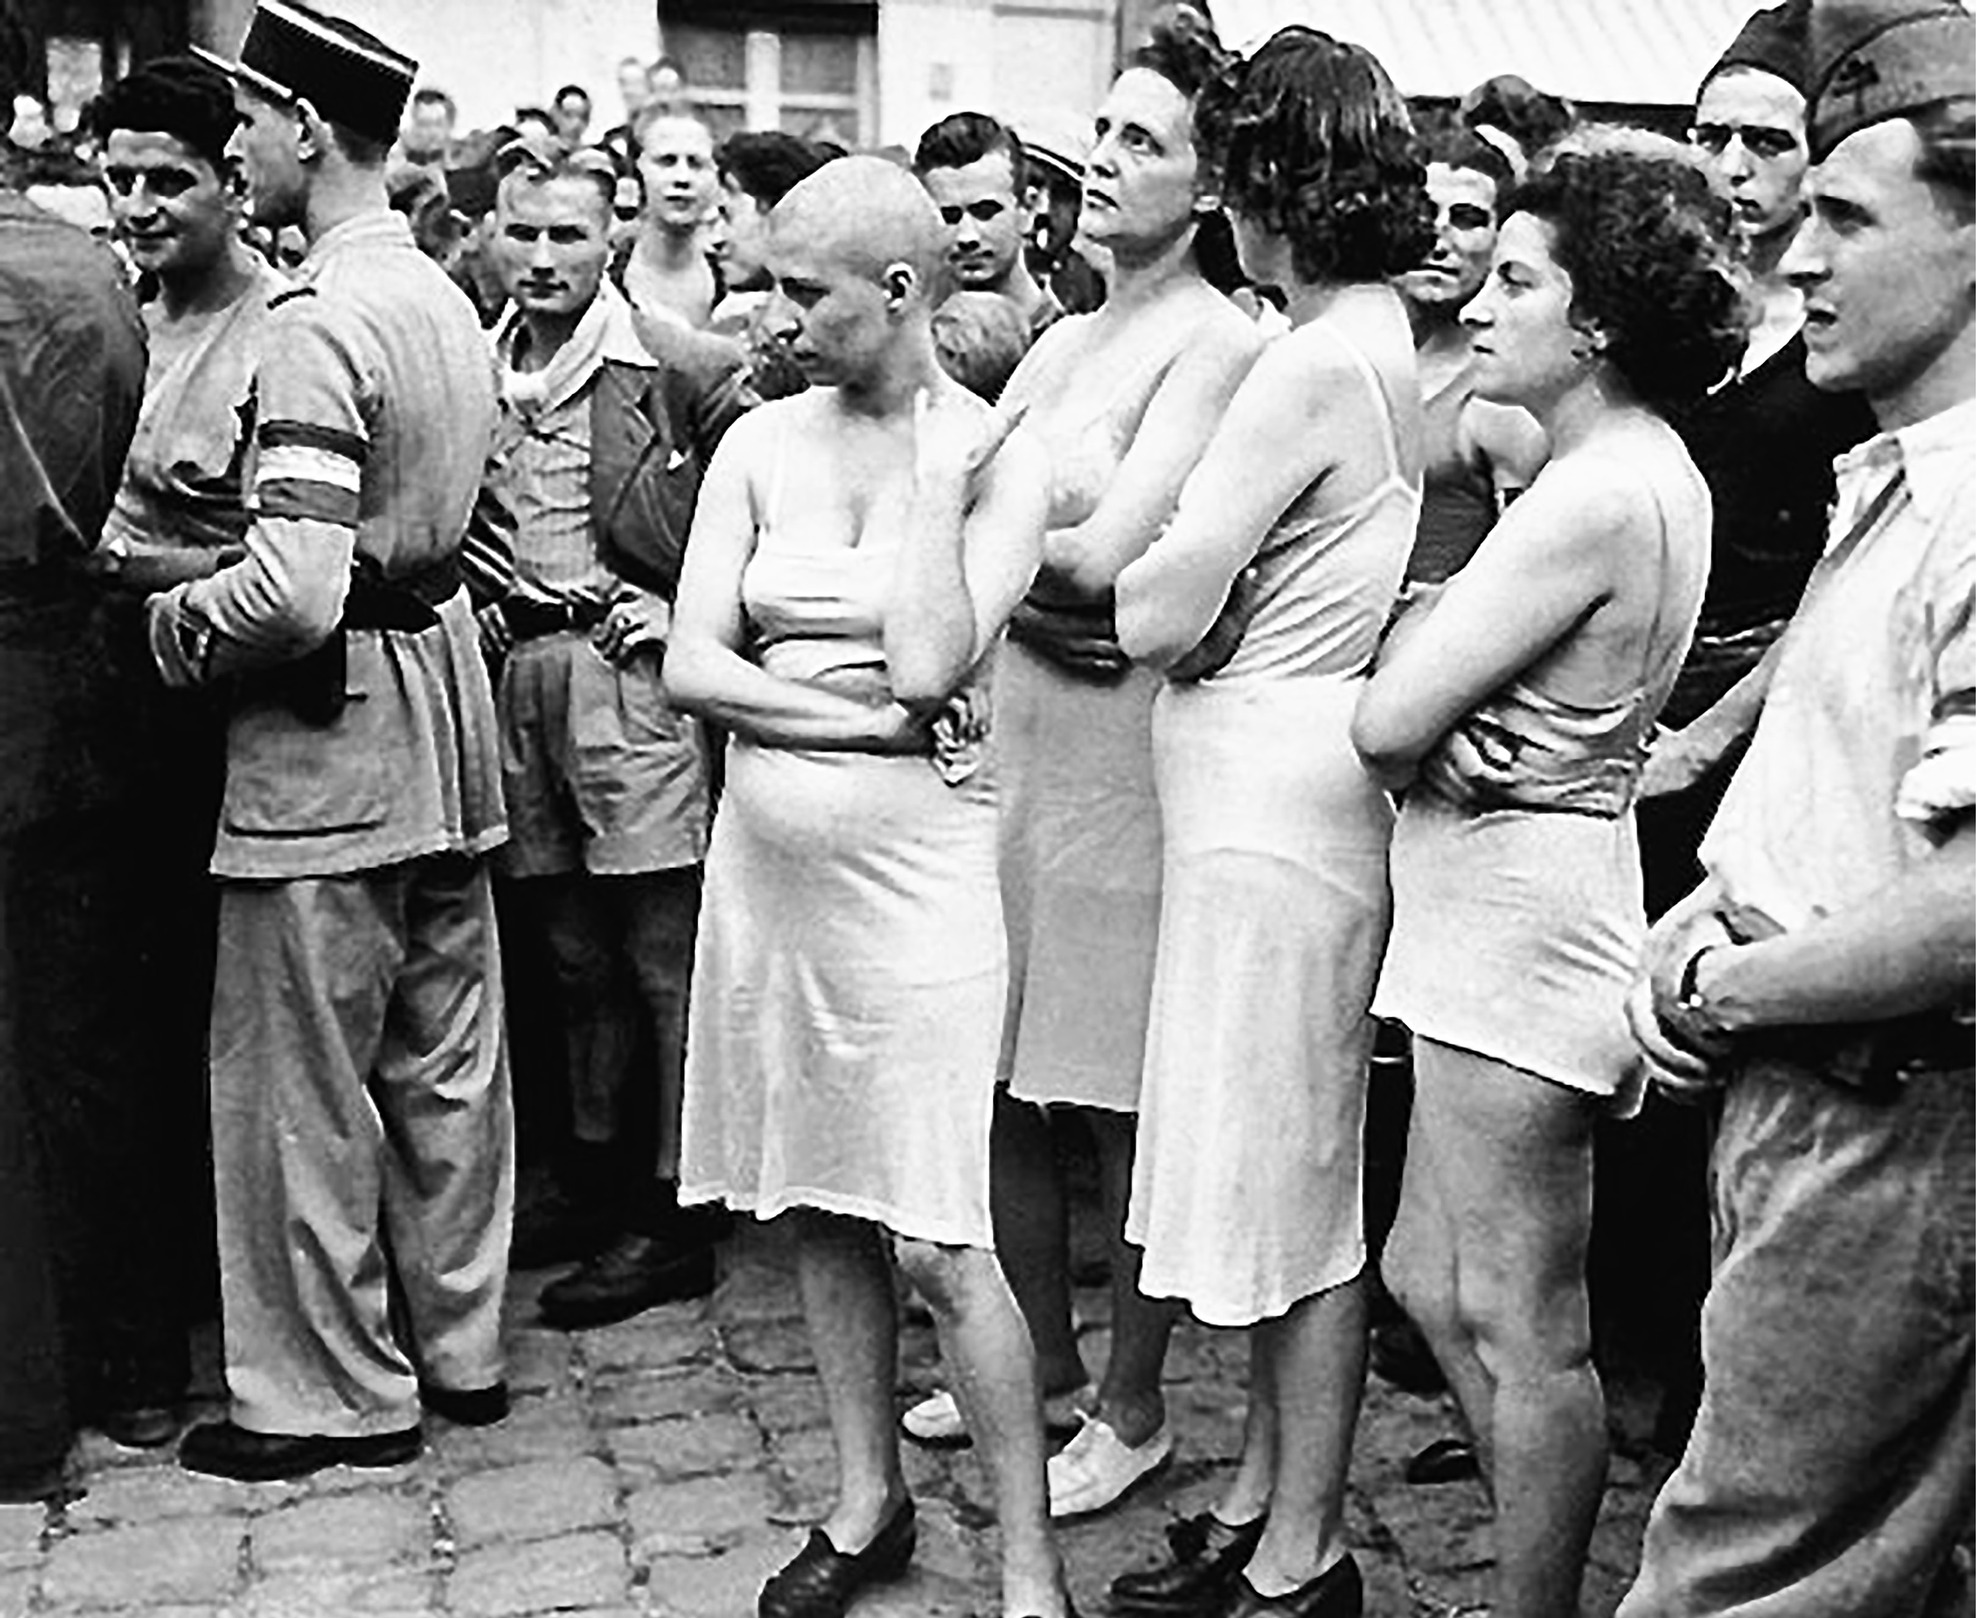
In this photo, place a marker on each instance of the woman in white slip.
(1125, 399)
(1265, 600)
(856, 551)
(1515, 715)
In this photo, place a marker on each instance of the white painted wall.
(1053, 62)
(935, 57)
(495, 55)
(1015, 59)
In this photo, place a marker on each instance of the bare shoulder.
(1578, 509)
(772, 420)
(1055, 348)
(1218, 327)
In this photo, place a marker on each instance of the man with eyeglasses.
(607, 418)
(973, 167)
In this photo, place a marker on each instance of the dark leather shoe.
(1335, 1593)
(224, 1450)
(466, 1407)
(141, 1426)
(1446, 1460)
(820, 1580)
(631, 1276)
(1206, 1559)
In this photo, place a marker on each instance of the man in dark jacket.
(607, 419)
(71, 380)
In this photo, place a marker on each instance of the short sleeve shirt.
(1865, 756)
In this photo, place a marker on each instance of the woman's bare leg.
(1130, 1398)
(1247, 1494)
(1032, 1236)
(1513, 1158)
(1418, 1267)
(987, 1349)
(846, 1280)
(1316, 1353)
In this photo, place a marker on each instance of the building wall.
(490, 55)
(1019, 59)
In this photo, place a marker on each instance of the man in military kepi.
(362, 1121)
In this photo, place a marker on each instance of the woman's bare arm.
(1543, 570)
(1283, 430)
(1180, 420)
(706, 672)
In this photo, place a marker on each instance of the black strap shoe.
(820, 1580)
(223, 1450)
(1207, 1557)
(634, 1274)
(1335, 1593)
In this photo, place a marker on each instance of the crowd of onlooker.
(1361, 670)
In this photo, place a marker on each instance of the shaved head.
(863, 215)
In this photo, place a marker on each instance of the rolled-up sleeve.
(1942, 784)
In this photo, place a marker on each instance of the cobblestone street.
(665, 1465)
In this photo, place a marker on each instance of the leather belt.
(530, 619)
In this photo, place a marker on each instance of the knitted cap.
(1773, 41)
(1878, 59)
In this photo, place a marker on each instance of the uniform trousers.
(1829, 1473)
(363, 1137)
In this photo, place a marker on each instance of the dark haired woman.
(1516, 714)
(1246, 1194)
(1126, 397)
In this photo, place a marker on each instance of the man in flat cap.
(1822, 972)
(362, 1126)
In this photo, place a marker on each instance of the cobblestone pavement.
(664, 1466)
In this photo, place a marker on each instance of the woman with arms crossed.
(1246, 1193)
(856, 551)
(1126, 398)
(1515, 715)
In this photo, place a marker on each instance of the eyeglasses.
(1760, 140)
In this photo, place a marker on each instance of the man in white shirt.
(1823, 969)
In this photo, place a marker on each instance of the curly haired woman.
(1516, 715)
(1290, 540)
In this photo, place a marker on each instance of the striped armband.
(308, 473)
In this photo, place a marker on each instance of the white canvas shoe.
(936, 1420)
(1095, 1468)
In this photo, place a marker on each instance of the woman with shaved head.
(856, 552)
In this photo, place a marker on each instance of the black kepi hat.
(1878, 59)
(297, 53)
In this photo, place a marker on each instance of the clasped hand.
(1684, 1052)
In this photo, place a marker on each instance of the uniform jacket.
(376, 396)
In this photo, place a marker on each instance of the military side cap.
(350, 77)
(1773, 41)
(1878, 59)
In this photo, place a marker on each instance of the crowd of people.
(564, 690)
